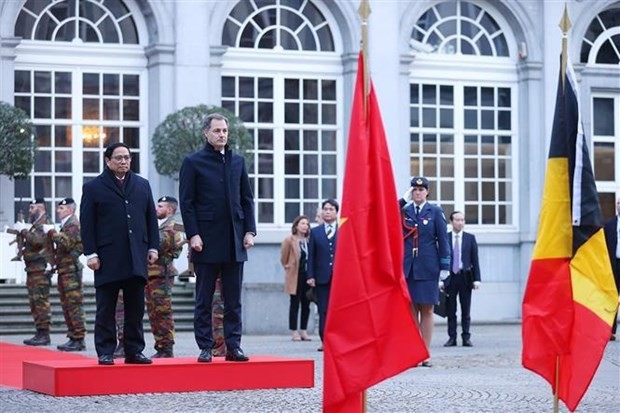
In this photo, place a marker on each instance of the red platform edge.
(87, 378)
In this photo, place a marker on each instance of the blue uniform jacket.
(119, 225)
(321, 253)
(433, 246)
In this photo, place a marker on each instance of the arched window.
(460, 27)
(601, 43)
(107, 21)
(288, 101)
(463, 111)
(79, 98)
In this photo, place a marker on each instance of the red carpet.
(12, 356)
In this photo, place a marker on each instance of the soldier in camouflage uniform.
(68, 243)
(217, 320)
(36, 256)
(119, 318)
(158, 290)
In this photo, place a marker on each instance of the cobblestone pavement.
(485, 378)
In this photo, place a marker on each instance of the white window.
(463, 112)
(68, 79)
(281, 76)
(601, 43)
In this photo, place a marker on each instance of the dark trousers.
(457, 287)
(322, 298)
(299, 300)
(232, 278)
(105, 325)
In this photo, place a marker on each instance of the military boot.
(42, 338)
(163, 353)
(72, 345)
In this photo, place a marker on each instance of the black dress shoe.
(72, 345)
(450, 343)
(205, 356)
(39, 339)
(138, 359)
(163, 354)
(236, 354)
(106, 360)
(467, 343)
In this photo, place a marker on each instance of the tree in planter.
(17, 148)
(181, 134)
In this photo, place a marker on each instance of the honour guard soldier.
(68, 248)
(36, 257)
(161, 278)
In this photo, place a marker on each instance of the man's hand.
(93, 263)
(441, 286)
(196, 243)
(407, 195)
(476, 285)
(311, 282)
(248, 240)
(152, 257)
(443, 274)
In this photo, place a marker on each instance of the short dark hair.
(296, 221)
(331, 202)
(112, 147)
(206, 124)
(454, 213)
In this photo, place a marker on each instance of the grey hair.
(206, 124)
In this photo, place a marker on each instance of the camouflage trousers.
(38, 285)
(119, 316)
(158, 297)
(217, 320)
(72, 302)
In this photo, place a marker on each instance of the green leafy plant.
(17, 146)
(181, 134)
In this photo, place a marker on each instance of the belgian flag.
(570, 297)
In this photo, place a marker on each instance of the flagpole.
(556, 400)
(565, 24)
(364, 12)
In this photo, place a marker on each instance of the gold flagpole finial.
(565, 25)
(364, 12)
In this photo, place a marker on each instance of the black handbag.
(311, 294)
(441, 309)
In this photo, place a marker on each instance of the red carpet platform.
(85, 377)
(13, 355)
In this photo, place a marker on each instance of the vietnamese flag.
(370, 333)
(570, 297)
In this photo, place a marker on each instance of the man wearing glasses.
(120, 234)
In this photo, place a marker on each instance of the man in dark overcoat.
(120, 234)
(217, 207)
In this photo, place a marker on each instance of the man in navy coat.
(612, 230)
(321, 253)
(464, 276)
(426, 254)
(119, 233)
(217, 206)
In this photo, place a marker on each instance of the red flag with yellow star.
(370, 333)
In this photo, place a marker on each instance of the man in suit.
(68, 243)
(217, 206)
(612, 235)
(321, 253)
(120, 234)
(426, 254)
(464, 276)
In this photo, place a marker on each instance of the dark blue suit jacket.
(469, 254)
(119, 225)
(216, 203)
(611, 239)
(433, 245)
(321, 253)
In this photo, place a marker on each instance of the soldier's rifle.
(19, 240)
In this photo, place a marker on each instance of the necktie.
(417, 210)
(456, 255)
(330, 231)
